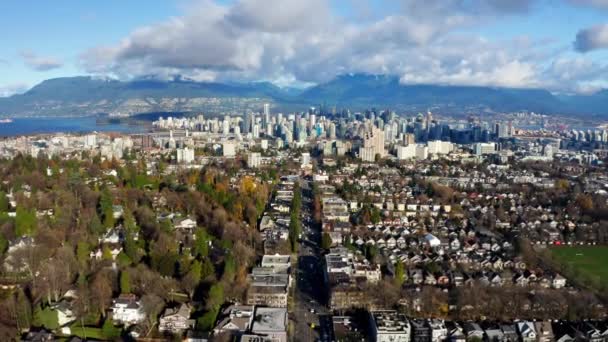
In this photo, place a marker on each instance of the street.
(311, 316)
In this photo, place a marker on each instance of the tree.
(215, 298)
(207, 321)
(326, 241)
(371, 251)
(132, 249)
(207, 268)
(95, 226)
(21, 310)
(375, 216)
(229, 268)
(101, 292)
(129, 222)
(4, 204)
(3, 244)
(57, 274)
(25, 222)
(193, 278)
(201, 244)
(125, 282)
(82, 253)
(152, 305)
(399, 273)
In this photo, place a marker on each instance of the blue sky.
(513, 43)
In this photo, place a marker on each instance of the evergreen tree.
(125, 282)
(25, 222)
(399, 273)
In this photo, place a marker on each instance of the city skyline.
(557, 45)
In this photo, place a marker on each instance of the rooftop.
(269, 319)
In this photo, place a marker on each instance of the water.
(26, 126)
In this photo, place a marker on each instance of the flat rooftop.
(269, 320)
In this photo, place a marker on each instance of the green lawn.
(46, 318)
(589, 261)
(87, 332)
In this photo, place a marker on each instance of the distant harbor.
(28, 126)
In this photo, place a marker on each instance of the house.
(432, 241)
(12, 263)
(526, 330)
(494, 335)
(176, 320)
(439, 332)
(389, 326)
(416, 276)
(509, 332)
(455, 244)
(271, 323)
(236, 320)
(455, 332)
(186, 224)
(564, 332)
(421, 332)
(97, 254)
(430, 279)
(65, 315)
(127, 310)
(473, 331)
(589, 332)
(117, 211)
(558, 281)
(544, 331)
(457, 279)
(112, 236)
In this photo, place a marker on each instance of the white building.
(389, 326)
(484, 148)
(254, 159)
(264, 144)
(228, 149)
(127, 310)
(432, 240)
(305, 160)
(422, 152)
(417, 151)
(406, 152)
(373, 144)
(90, 141)
(440, 147)
(277, 262)
(176, 320)
(185, 155)
(270, 323)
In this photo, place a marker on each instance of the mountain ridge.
(86, 95)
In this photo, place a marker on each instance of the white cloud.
(304, 42)
(12, 89)
(39, 63)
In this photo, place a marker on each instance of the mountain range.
(84, 95)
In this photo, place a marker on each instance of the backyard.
(590, 262)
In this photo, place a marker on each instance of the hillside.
(79, 96)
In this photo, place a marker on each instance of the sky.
(559, 45)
